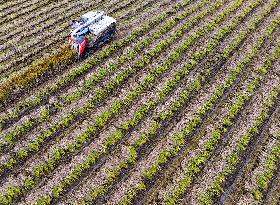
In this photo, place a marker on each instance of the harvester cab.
(91, 30)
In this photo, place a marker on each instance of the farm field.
(181, 106)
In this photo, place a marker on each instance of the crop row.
(126, 39)
(179, 139)
(28, 76)
(50, 13)
(12, 9)
(116, 104)
(171, 181)
(265, 176)
(28, 81)
(133, 122)
(197, 192)
(54, 33)
(239, 187)
(139, 46)
(33, 49)
(35, 142)
(220, 153)
(49, 20)
(13, 134)
(89, 84)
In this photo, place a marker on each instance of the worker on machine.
(75, 24)
(83, 32)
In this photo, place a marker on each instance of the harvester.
(91, 30)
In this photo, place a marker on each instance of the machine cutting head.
(91, 30)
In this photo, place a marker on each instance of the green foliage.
(264, 178)
(101, 120)
(33, 71)
(114, 138)
(257, 195)
(46, 200)
(149, 173)
(29, 183)
(9, 138)
(74, 97)
(206, 199)
(57, 191)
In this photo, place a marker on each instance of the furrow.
(237, 139)
(32, 116)
(272, 195)
(8, 4)
(74, 109)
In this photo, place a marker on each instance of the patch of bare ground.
(8, 4)
(23, 8)
(30, 22)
